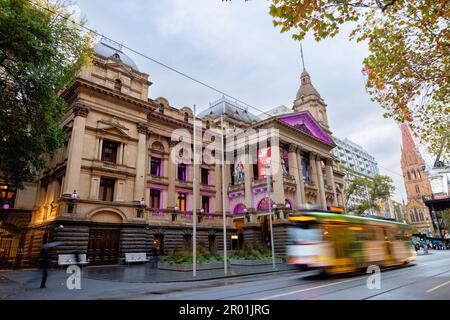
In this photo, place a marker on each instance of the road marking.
(309, 289)
(438, 286)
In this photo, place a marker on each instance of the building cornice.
(80, 83)
(289, 127)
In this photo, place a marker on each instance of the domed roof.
(109, 48)
(306, 87)
(225, 106)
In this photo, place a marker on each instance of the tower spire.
(303, 58)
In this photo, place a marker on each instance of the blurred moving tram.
(339, 243)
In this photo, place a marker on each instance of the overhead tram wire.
(168, 67)
(391, 171)
(154, 60)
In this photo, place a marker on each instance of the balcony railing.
(171, 216)
(289, 178)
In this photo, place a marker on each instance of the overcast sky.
(233, 46)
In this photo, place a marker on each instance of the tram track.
(320, 284)
(310, 283)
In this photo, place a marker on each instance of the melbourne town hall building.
(115, 187)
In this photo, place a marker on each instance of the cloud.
(234, 47)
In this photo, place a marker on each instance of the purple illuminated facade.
(303, 121)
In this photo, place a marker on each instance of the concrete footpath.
(116, 282)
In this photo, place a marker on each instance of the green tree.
(374, 192)
(408, 65)
(41, 51)
(446, 219)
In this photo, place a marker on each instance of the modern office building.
(355, 161)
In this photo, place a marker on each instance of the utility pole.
(224, 213)
(194, 200)
(270, 214)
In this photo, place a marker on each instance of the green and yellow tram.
(339, 243)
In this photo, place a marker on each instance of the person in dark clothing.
(155, 257)
(44, 264)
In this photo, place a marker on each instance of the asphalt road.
(428, 278)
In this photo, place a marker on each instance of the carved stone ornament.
(142, 128)
(80, 110)
(293, 148)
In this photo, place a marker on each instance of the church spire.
(407, 139)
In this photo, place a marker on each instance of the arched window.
(118, 85)
(416, 215)
(409, 175)
(186, 117)
(421, 215)
(417, 189)
(264, 204)
(413, 219)
(208, 125)
(161, 108)
(419, 176)
(158, 146)
(239, 209)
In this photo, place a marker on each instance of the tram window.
(400, 235)
(371, 234)
(305, 234)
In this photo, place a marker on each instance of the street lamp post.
(194, 196)
(142, 206)
(73, 199)
(5, 209)
(224, 215)
(247, 215)
(288, 207)
(174, 215)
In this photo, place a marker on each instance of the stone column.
(172, 173)
(97, 148)
(312, 165)
(227, 183)
(278, 195)
(75, 153)
(248, 178)
(100, 148)
(301, 177)
(139, 182)
(344, 204)
(95, 187)
(322, 198)
(330, 180)
(294, 170)
(218, 185)
(120, 154)
(198, 177)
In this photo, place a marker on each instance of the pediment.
(112, 126)
(305, 122)
(415, 203)
(121, 67)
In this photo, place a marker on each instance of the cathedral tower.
(416, 181)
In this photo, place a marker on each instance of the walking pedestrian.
(44, 264)
(154, 257)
